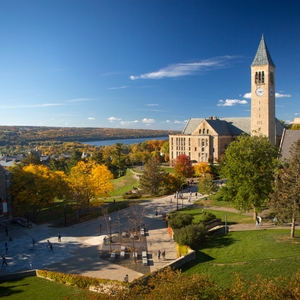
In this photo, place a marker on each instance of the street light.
(225, 223)
(109, 219)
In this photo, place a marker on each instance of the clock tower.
(263, 93)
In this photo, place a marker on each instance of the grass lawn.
(232, 218)
(38, 288)
(270, 253)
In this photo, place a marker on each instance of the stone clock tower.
(263, 93)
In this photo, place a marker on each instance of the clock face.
(271, 92)
(259, 92)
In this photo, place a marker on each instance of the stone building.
(205, 139)
(5, 203)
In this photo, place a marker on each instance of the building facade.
(206, 139)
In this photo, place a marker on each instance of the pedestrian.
(163, 254)
(59, 237)
(196, 195)
(158, 254)
(156, 213)
(33, 243)
(48, 243)
(51, 248)
(126, 278)
(6, 230)
(6, 248)
(259, 220)
(3, 261)
(104, 240)
(170, 200)
(100, 228)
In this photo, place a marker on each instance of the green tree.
(177, 220)
(206, 185)
(285, 199)
(152, 178)
(249, 167)
(192, 235)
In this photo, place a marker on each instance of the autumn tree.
(152, 177)
(285, 199)
(34, 187)
(206, 185)
(183, 167)
(249, 167)
(89, 181)
(201, 169)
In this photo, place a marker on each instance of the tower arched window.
(259, 77)
(262, 77)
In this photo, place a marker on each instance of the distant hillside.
(21, 135)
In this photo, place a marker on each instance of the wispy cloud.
(277, 95)
(148, 121)
(151, 104)
(91, 118)
(79, 100)
(180, 122)
(231, 102)
(118, 88)
(184, 69)
(126, 123)
(31, 105)
(113, 119)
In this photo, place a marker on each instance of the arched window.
(262, 77)
(199, 131)
(256, 77)
(207, 131)
(259, 77)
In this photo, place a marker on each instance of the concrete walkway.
(79, 249)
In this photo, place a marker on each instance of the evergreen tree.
(286, 196)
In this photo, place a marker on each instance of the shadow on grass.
(6, 291)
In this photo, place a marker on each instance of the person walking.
(158, 254)
(48, 243)
(51, 248)
(59, 237)
(3, 261)
(6, 248)
(100, 228)
(163, 255)
(33, 243)
(126, 278)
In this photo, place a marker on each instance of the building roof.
(287, 140)
(262, 56)
(227, 126)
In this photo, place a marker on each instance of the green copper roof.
(262, 56)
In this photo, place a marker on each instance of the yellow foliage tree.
(201, 169)
(89, 181)
(34, 187)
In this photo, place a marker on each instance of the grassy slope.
(39, 289)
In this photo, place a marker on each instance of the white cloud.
(118, 88)
(112, 119)
(168, 121)
(148, 121)
(180, 122)
(80, 100)
(278, 95)
(184, 69)
(91, 118)
(247, 96)
(151, 104)
(231, 102)
(125, 123)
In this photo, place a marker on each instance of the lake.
(124, 141)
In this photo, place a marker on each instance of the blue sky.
(141, 63)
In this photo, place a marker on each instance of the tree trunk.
(293, 228)
(254, 214)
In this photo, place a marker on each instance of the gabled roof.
(287, 140)
(262, 56)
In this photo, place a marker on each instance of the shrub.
(207, 216)
(191, 235)
(177, 221)
(131, 195)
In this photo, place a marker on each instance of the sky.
(144, 64)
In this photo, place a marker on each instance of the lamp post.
(109, 219)
(225, 223)
(177, 199)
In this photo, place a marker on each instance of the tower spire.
(262, 56)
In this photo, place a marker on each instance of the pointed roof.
(262, 56)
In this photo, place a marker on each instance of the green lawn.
(270, 253)
(39, 289)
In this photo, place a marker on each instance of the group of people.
(161, 254)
